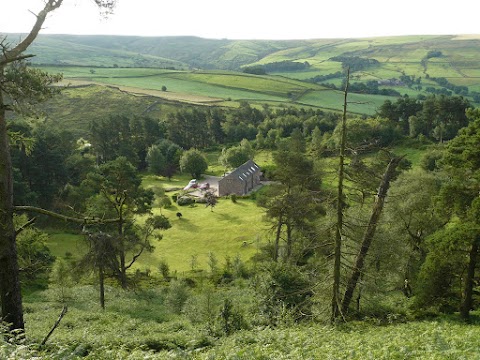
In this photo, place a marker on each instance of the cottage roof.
(244, 171)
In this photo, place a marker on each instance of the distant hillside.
(456, 58)
(103, 50)
(381, 68)
(135, 51)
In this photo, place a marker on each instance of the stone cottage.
(241, 180)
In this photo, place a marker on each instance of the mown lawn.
(231, 229)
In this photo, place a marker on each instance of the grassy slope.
(205, 88)
(71, 50)
(459, 63)
(76, 107)
(134, 323)
(230, 229)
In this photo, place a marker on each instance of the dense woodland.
(359, 233)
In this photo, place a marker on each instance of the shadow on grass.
(238, 203)
(185, 224)
(227, 217)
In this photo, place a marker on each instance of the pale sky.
(252, 19)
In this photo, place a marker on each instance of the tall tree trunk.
(101, 280)
(276, 248)
(123, 265)
(369, 232)
(10, 291)
(469, 282)
(340, 206)
(288, 253)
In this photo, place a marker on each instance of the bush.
(164, 270)
(430, 160)
(285, 294)
(185, 200)
(177, 296)
(204, 308)
(165, 202)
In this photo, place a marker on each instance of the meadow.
(211, 88)
(209, 72)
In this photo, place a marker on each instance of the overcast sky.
(252, 19)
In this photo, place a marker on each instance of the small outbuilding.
(241, 180)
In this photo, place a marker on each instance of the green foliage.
(164, 270)
(177, 295)
(111, 335)
(355, 63)
(193, 162)
(285, 293)
(231, 320)
(430, 160)
(436, 117)
(61, 280)
(440, 278)
(185, 200)
(204, 308)
(27, 86)
(165, 202)
(370, 134)
(34, 257)
(163, 158)
(235, 156)
(42, 171)
(131, 139)
(155, 159)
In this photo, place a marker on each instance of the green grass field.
(397, 56)
(231, 229)
(333, 100)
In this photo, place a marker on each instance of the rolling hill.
(459, 54)
(304, 73)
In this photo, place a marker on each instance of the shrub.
(164, 269)
(61, 280)
(285, 294)
(204, 308)
(231, 318)
(165, 202)
(430, 160)
(185, 200)
(177, 296)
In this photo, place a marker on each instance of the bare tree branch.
(14, 54)
(24, 226)
(62, 314)
(85, 220)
